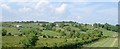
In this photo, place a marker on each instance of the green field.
(10, 30)
(12, 41)
(105, 42)
(0, 41)
(65, 35)
(48, 42)
(50, 33)
(109, 33)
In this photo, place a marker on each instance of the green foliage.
(107, 26)
(12, 41)
(4, 32)
(50, 33)
(64, 34)
(31, 39)
(9, 34)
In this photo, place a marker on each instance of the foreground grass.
(106, 42)
(0, 41)
(12, 41)
(51, 42)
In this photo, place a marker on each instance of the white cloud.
(4, 6)
(79, 0)
(41, 3)
(17, 0)
(25, 10)
(78, 17)
(61, 9)
(109, 11)
(96, 0)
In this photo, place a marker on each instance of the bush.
(4, 32)
(9, 34)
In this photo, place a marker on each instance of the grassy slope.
(107, 42)
(108, 33)
(54, 41)
(48, 41)
(102, 43)
(12, 41)
(0, 41)
(11, 30)
(0, 35)
(51, 33)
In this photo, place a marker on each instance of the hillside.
(58, 34)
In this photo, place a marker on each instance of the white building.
(57, 25)
(18, 26)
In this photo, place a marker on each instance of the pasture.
(66, 34)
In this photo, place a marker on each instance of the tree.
(61, 25)
(84, 29)
(31, 39)
(117, 28)
(68, 28)
(52, 24)
(63, 33)
(107, 26)
(4, 32)
(95, 25)
(9, 34)
(26, 43)
(97, 33)
(43, 25)
(77, 34)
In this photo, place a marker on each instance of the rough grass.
(50, 33)
(50, 42)
(106, 42)
(0, 41)
(12, 41)
(11, 30)
(109, 33)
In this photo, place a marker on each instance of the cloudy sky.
(82, 11)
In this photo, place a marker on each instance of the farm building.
(58, 25)
(18, 26)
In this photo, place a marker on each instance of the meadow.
(58, 34)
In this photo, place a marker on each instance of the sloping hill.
(50, 33)
(109, 33)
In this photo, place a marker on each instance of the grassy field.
(0, 41)
(106, 42)
(48, 42)
(50, 33)
(109, 33)
(51, 40)
(12, 41)
(54, 41)
(10, 30)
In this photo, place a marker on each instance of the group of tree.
(31, 39)
(5, 33)
(107, 26)
(31, 22)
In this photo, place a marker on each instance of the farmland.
(58, 34)
(107, 42)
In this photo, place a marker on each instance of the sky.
(82, 11)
